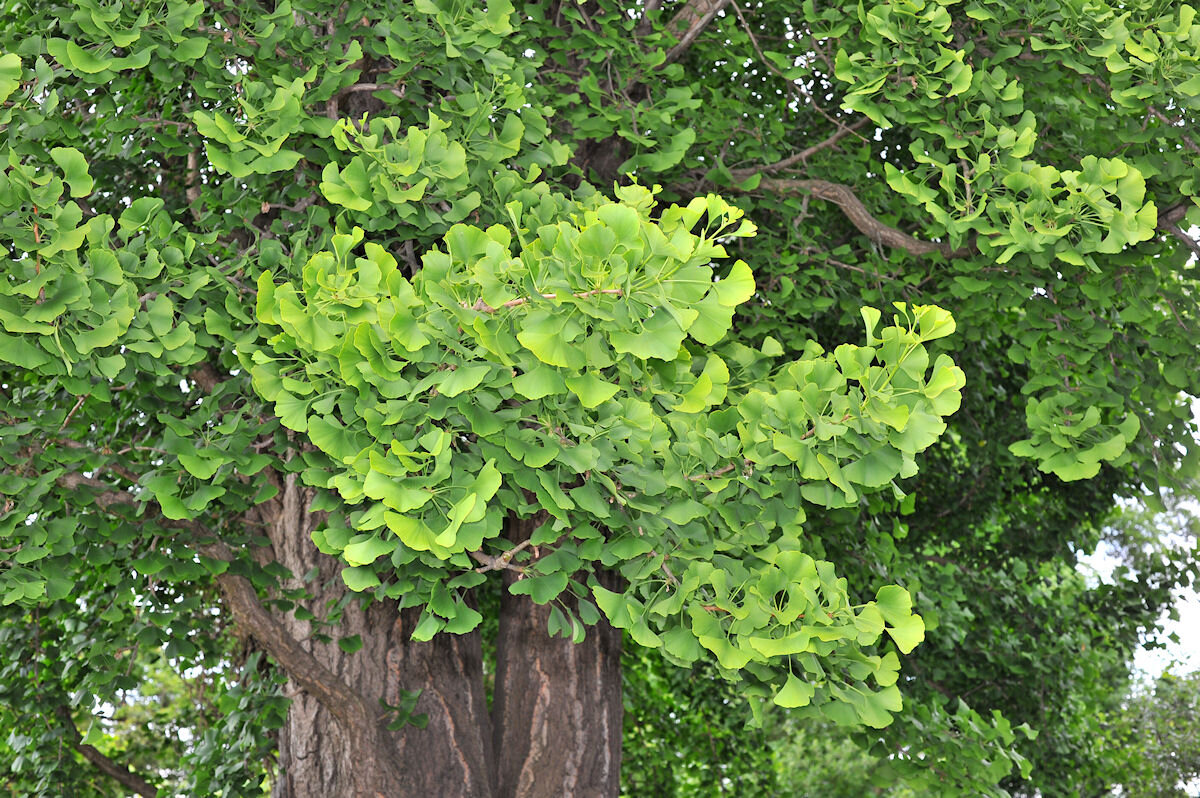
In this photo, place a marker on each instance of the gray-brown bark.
(557, 705)
(318, 754)
(557, 708)
(845, 198)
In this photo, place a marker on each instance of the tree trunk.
(557, 705)
(554, 731)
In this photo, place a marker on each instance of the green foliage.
(1155, 740)
(562, 372)
(686, 733)
(451, 264)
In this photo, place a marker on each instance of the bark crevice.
(555, 727)
(557, 705)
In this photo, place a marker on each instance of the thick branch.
(649, 10)
(314, 678)
(120, 773)
(1173, 215)
(1168, 222)
(106, 495)
(689, 23)
(860, 217)
(206, 377)
(1187, 240)
(356, 716)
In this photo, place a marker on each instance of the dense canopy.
(371, 370)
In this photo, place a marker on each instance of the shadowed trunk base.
(555, 726)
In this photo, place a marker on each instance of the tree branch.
(106, 496)
(649, 9)
(350, 709)
(156, 122)
(205, 377)
(1187, 240)
(372, 87)
(484, 307)
(1152, 111)
(1161, 117)
(722, 471)
(117, 771)
(689, 23)
(1168, 222)
(1173, 215)
(804, 154)
(500, 562)
(357, 717)
(860, 217)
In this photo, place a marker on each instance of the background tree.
(341, 312)
(1156, 734)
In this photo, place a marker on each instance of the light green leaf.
(72, 56)
(795, 693)
(75, 170)
(462, 378)
(360, 578)
(542, 381)
(368, 551)
(540, 588)
(10, 74)
(737, 287)
(907, 633)
(591, 390)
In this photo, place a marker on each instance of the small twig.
(357, 87)
(157, 122)
(484, 307)
(67, 420)
(225, 34)
(410, 255)
(301, 205)
(710, 474)
(813, 431)
(858, 269)
(805, 154)
(1161, 117)
(666, 569)
(500, 562)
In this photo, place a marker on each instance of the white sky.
(1181, 657)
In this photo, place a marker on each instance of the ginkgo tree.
(432, 350)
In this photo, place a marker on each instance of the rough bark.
(557, 705)
(689, 23)
(556, 725)
(318, 756)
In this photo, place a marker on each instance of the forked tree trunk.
(555, 728)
